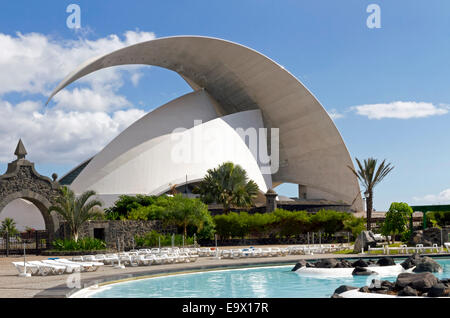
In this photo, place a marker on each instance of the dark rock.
(389, 285)
(364, 289)
(344, 288)
(427, 264)
(421, 281)
(427, 237)
(380, 291)
(363, 241)
(362, 271)
(410, 261)
(386, 261)
(408, 291)
(339, 265)
(326, 263)
(437, 290)
(359, 263)
(308, 264)
(336, 296)
(301, 263)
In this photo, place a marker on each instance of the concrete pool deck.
(12, 286)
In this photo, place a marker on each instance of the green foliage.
(355, 225)
(228, 185)
(397, 219)
(282, 223)
(84, 244)
(150, 239)
(438, 218)
(75, 210)
(127, 203)
(8, 226)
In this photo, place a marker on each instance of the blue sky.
(325, 44)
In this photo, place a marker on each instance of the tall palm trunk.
(369, 208)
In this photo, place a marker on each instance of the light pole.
(24, 274)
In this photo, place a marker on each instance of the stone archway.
(21, 181)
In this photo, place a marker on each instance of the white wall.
(24, 213)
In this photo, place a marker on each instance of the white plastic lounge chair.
(31, 269)
(247, 252)
(193, 258)
(236, 253)
(110, 259)
(70, 268)
(265, 252)
(85, 266)
(49, 268)
(275, 251)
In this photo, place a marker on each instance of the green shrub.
(397, 219)
(84, 244)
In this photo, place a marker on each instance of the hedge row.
(285, 224)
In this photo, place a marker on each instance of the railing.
(34, 242)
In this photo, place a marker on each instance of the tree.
(75, 210)
(184, 211)
(397, 219)
(369, 175)
(8, 226)
(228, 185)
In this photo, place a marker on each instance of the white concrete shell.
(237, 79)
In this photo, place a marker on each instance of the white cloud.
(86, 99)
(334, 114)
(53, 135)
(400, 110)
(34, 62)
(441, 197)
(82, 119)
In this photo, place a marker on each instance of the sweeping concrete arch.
(312, 153)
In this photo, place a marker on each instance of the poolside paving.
(56, 285)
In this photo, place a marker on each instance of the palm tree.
(228, 185)
(8, 226)
(75, 210)
(370, 176)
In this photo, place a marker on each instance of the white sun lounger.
(49, 268)
(86, 266)
(31, 269)
(447, 246)
(70, 268)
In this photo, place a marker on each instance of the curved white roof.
(312, 152)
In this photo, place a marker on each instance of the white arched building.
(238, 94)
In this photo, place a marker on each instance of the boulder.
(422, 281)
(344, 288)
(427, 264)
(326, 263)
(362, 271)
(308, 264)
(301, 263)
(408, 291)
(437, 290)
(360, 263)
(410, 261)
(384, 284)
(427, 237)
(363, 241)
(336, 296)
(364, 289)
(386, 261)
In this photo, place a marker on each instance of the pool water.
(262, 282)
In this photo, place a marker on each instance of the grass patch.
(350, 251)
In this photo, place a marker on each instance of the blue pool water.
(277, 282)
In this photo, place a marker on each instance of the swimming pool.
(256, 282)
